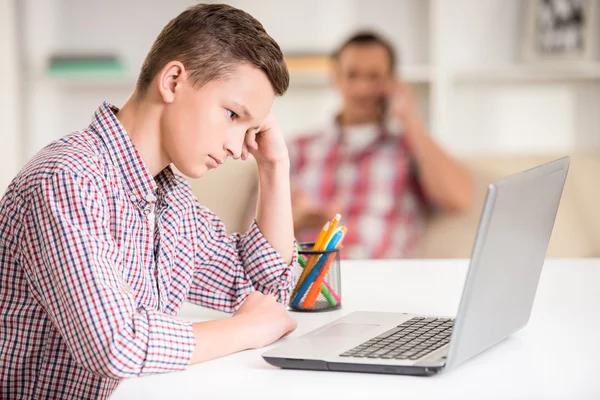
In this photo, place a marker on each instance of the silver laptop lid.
(507, 259)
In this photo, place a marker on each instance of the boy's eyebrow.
(244, 110)
(246, 113)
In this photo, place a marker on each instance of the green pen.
(301, 260)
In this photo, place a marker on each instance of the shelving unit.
(317, 77)
(462, 57)
(89, 82)
(527, 74)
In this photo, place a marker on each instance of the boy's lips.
(216, 162)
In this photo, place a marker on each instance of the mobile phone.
(385, 102)
(393, 125)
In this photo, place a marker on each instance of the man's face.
(362, 76)
(205, 125)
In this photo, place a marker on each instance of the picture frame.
(560, 31)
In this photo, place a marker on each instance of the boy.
(100, 242)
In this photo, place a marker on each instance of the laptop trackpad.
(346, 330)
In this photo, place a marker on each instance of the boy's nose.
(234, 148)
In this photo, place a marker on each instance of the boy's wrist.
(282, 164)
(221, 337)
(244, 326)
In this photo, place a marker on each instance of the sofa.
(227, 191)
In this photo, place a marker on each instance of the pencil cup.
(318, 282)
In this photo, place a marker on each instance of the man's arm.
(444, 181)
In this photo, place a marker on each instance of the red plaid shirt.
(369, 172)
(96, 259)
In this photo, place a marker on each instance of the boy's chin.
(192, 171)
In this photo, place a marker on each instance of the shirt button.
(150, 197)
(151, 217)
(133, 197)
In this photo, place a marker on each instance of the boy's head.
(215, 72)
(364, 69)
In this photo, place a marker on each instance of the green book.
(81, 64)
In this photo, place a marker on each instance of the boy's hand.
(264, 319)
(267, 144)
(259, 322)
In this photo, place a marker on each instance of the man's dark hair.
(364, 38)
(210, 40)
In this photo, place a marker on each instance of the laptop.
(506, 263)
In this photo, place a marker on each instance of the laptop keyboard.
(411, 340)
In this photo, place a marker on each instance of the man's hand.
(307, 214)
(445, 182)
(402, 102)
(266, 144)
(264, 320)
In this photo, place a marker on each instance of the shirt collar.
(355, 139)
(136, 176)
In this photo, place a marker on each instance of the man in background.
(374, 162)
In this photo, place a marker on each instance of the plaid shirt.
(368, 171)
(96, 259)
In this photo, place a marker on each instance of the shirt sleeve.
(73, 266)
(415, 182)
(230, 267)
(419, 190)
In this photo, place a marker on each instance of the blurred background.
(496, 89)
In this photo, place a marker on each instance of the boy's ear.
(169, 79)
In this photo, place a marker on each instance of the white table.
(556, 356)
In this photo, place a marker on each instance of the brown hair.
(209, 40)
(363, 38)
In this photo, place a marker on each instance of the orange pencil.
(313, 293)
(334, 222)
(322, 235)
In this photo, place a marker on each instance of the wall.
(463, 56)
(9, 95)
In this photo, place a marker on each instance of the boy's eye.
(232, 116)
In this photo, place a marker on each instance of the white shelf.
(469, 79)
(310, 78)
(76, 81)
(113, 81)
(416, 74)
(526, 73)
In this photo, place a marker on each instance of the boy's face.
(203, 126)
(362, 76)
